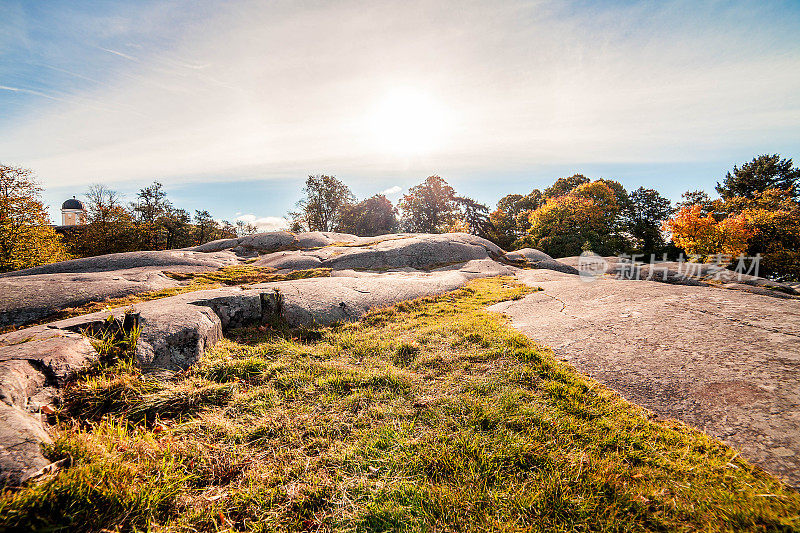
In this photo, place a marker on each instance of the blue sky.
(231, 104)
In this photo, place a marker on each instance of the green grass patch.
(431, 415)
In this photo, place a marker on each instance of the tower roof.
(72, 203)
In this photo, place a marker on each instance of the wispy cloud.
(30, 91)
(120, 54)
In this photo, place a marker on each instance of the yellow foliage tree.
(587, 216)
(26, 237)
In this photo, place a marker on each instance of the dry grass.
(432, 415)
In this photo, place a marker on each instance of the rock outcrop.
(36, 293)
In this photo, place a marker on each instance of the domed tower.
(73, 213)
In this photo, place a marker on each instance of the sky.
(231, 104)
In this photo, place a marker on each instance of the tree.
(204, 226)
(370, 217)
(151, 207)
(588, 217)
(323, 205)
(176, 223)
(700, 198)
(702, 234)
(646, 213)
(151, 203)
(475, 217)
(762, 173)
(109, 225)
(775, 219)
(510, 221)
(223, 230)
(564, 186)
(26, 237)
(429, 207)
(245, 228)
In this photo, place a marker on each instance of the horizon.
(496, 99)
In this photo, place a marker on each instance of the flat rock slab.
(726, 362)
(26, 299)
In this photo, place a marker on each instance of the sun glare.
(408, 122)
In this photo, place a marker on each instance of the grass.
(432, 415)
(243, 275)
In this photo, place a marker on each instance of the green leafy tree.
(178, 228)
(152, 209)
(26, 237)
(204, 226)
(151, 203)
(370, 217)
(564, 186)
(429, 207)
(701, 198)
(647, 210)
(475, 217)
(762, 173)
(323, 204)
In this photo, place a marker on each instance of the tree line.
(757, 212)
(150, 222)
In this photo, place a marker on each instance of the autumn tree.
(429, 207)
(587, 218)
(510, 221)
(762, 173)
(647, 210)
(703, 234)
(321, 208)
(26, 237)
(774, 217)
(370, 217)
(109, 225)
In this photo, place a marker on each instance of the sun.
(408, 122)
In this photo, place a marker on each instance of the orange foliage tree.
(700, 233)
